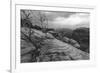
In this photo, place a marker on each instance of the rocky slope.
(49, 48)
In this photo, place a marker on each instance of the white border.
(17, 67)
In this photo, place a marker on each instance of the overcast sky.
(60, 19)
(67, 19)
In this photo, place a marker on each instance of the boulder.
(71, 41)
(49, 36)
(74, 43)
(39, 34)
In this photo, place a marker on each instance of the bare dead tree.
(43, 21)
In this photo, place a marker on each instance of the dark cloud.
(67, 19)
(54, 14)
